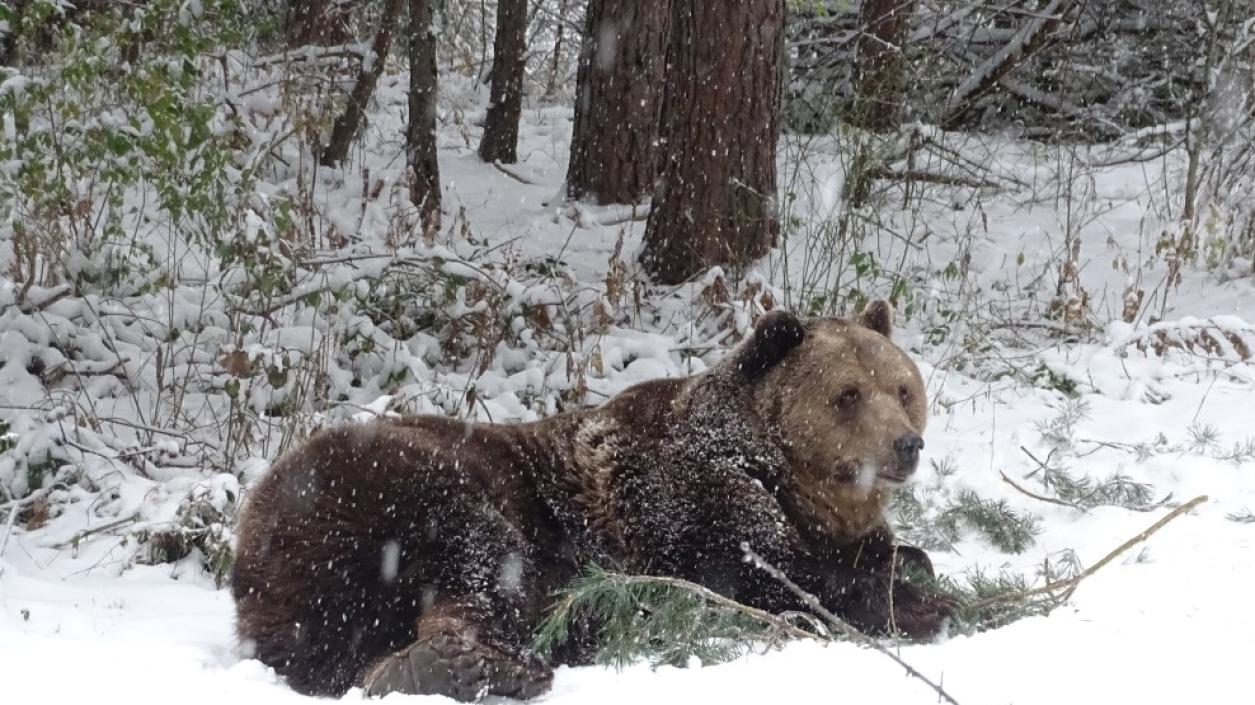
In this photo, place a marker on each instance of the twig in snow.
(839, 624)
(1038, 497)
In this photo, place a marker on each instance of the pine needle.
(660, 619)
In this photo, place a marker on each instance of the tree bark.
(882, 64)
(619, 94)
(420, 131)
(346, 126)
(501, 127)
(318, 22)
(715, 200)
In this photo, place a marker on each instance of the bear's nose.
(907, 448)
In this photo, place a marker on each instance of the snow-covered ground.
(1168, 622)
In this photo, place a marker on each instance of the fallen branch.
(87, 368)
(841, 625)
(1033, 37)
(931, 177)
(77, 538)
(522, 180)
(1071, 584)
(26, 305)
(356, 50)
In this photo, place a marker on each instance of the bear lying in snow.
(417, 555)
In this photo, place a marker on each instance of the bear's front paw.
(521, 676)
(460, 667)
(918, 614)
(911, 561)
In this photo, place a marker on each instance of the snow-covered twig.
(77, 538)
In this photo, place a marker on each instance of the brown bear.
(418, 554)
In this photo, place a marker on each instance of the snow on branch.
(1033, 37)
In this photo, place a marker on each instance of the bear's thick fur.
(418, 554)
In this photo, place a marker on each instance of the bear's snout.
(907, 448)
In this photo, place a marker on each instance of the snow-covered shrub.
(203, 525)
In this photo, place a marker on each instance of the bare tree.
(346, 126)
(614, 143)
(715, 199)
(501, 127)
(420, 132)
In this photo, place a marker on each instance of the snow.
(1169, 622)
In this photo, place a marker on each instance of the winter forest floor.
(84, 617)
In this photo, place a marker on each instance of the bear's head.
(846, 406)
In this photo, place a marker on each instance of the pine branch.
(976, 614)
(1009, 530)
(663, 619)
(1083, 493)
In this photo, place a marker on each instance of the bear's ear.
(775, 335)
(878, 316)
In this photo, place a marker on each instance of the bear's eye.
(904, 394)
(848, 398)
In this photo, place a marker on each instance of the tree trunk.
(551, 88)
(420, 131)
(619, 94)
(319, 22)
(715, 200)
(501, 127)
(882, 65)
(345, 129)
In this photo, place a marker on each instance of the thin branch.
(841, 625)
(1038, 497)
(1071, 584)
